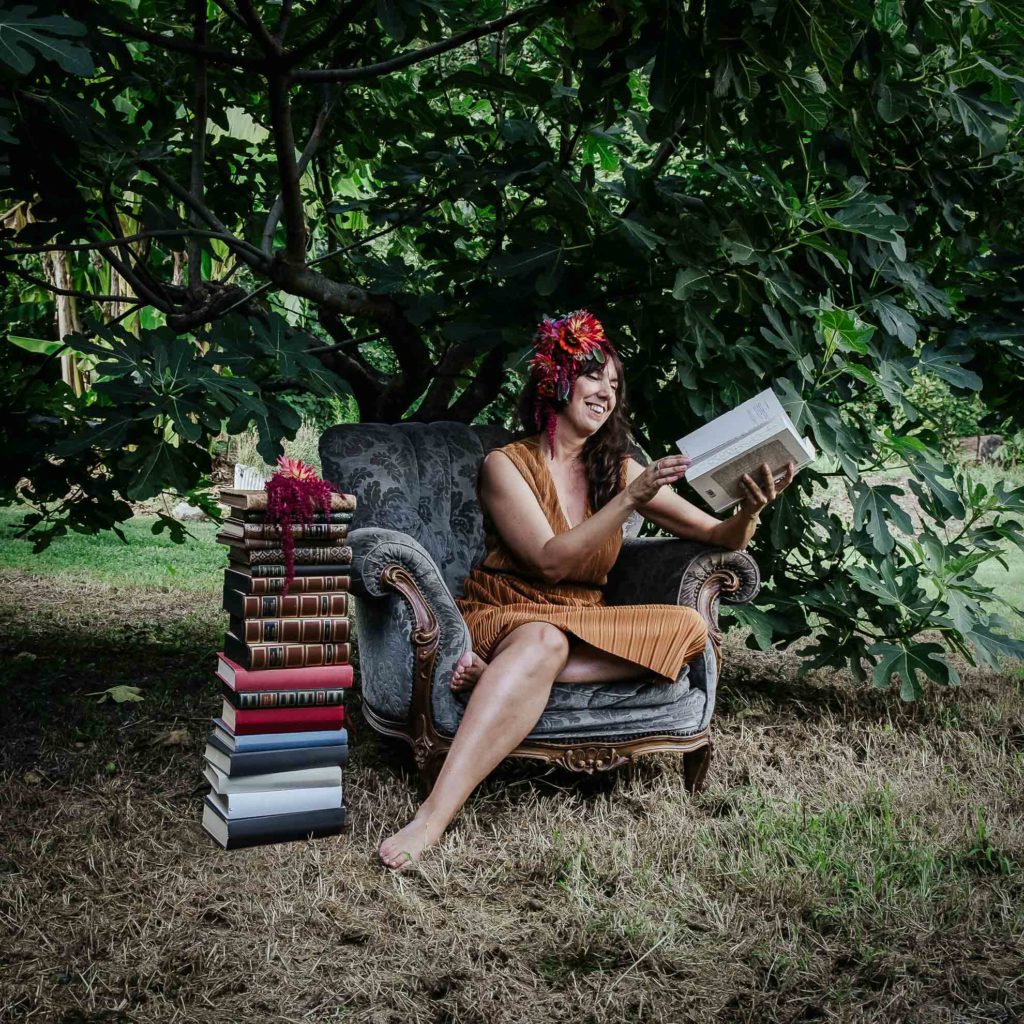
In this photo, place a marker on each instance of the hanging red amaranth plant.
(294, 493)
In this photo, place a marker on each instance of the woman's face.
(593, 398)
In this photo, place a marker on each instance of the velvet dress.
(502, 593)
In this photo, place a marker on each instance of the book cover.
(259, 657)
(274, 828)
(235, 803)
(257, 516)
(286, 759)
(252, 500)
(312, 678)
(290, 631)
(315, 581)
(269, 534)
(241, 721)
(274, 740)
(249, 699)
(304, 778)
(290, 606)
(328, 554)
(278, 570)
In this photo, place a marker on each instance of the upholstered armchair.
(416, 533)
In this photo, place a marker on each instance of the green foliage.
(825, 198)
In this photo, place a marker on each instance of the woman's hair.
(603, 451)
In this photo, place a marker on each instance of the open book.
(739, 442)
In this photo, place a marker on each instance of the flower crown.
(560, 345)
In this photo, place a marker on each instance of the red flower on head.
(582, 334)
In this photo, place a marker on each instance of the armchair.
(416, 533)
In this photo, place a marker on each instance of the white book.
(263, 803)
(302, 778)
(741, 441)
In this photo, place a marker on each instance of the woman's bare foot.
(467, 671)
(406, 846)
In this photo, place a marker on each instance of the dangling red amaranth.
(294, 493)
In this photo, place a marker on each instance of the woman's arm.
(674, 514)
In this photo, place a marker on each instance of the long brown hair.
(604, 450)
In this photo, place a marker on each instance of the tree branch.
(195, 266)
(231, 13)
(74, 292)
(415, 56)
(365, 387)
(224, 58)
(344, 16)
(141, 289)
(483, 389)
(284, 149)
(258, 29)
(284, 19)
(312, 145)
(108, 243)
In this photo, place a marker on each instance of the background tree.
(385, 197)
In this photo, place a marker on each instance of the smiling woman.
(554, 503)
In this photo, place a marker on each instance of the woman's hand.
(756, 497)
(655, 476)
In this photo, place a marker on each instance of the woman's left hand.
(757, 497)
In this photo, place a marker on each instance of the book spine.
(316, 677)
(290, 607)
(256, 501)
(256, 658)
(291, 631)
(250, 700)
(289, 759)
(287, 719)
(259, 535)
(256, 516)
(304, 583)
(327, 555)
(278, 570)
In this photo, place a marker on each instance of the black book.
(274, 569)
(263, 762)
(271, 828)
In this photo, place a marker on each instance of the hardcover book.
(314, 581)
(327, 554)
(274, 740)
(234, 802)
(275, 828)
(260, 535)
(247, 699)
(304, 778)
(290, 606)
(285, 759)
(258, 657)
(315, 677)
(290, 631)
(260, 516)
(276, 570)
(241, 721)
(252, 500)
(740, 441)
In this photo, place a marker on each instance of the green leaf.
(946, 362)
(911, 662)
(845, 330)
(41, 346)
(22, 31)
(689, 280)
(873, 507)
(802, 95)
(640, 236)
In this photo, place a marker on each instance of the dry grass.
(852, 859)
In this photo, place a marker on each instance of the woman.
(554, 504)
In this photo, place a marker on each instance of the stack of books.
(274, 757)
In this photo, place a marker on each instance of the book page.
(728, 428)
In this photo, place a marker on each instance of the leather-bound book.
(257, 657)
(256, 501)
(290, 606)
(309, 579)
(290, 631)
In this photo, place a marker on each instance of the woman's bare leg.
(506, 703)
(586, 664)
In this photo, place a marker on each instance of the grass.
(852, 858)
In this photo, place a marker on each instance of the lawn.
(852, 858)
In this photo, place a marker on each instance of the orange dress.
(502, 593)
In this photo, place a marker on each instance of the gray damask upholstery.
(415, 485)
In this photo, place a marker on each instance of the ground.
(853, 858)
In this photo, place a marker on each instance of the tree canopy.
(234, 202)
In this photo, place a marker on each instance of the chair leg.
(695, 768)
(430, 770)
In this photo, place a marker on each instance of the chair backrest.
(418, 478)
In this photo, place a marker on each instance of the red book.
(319, 677)
(244, 722)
